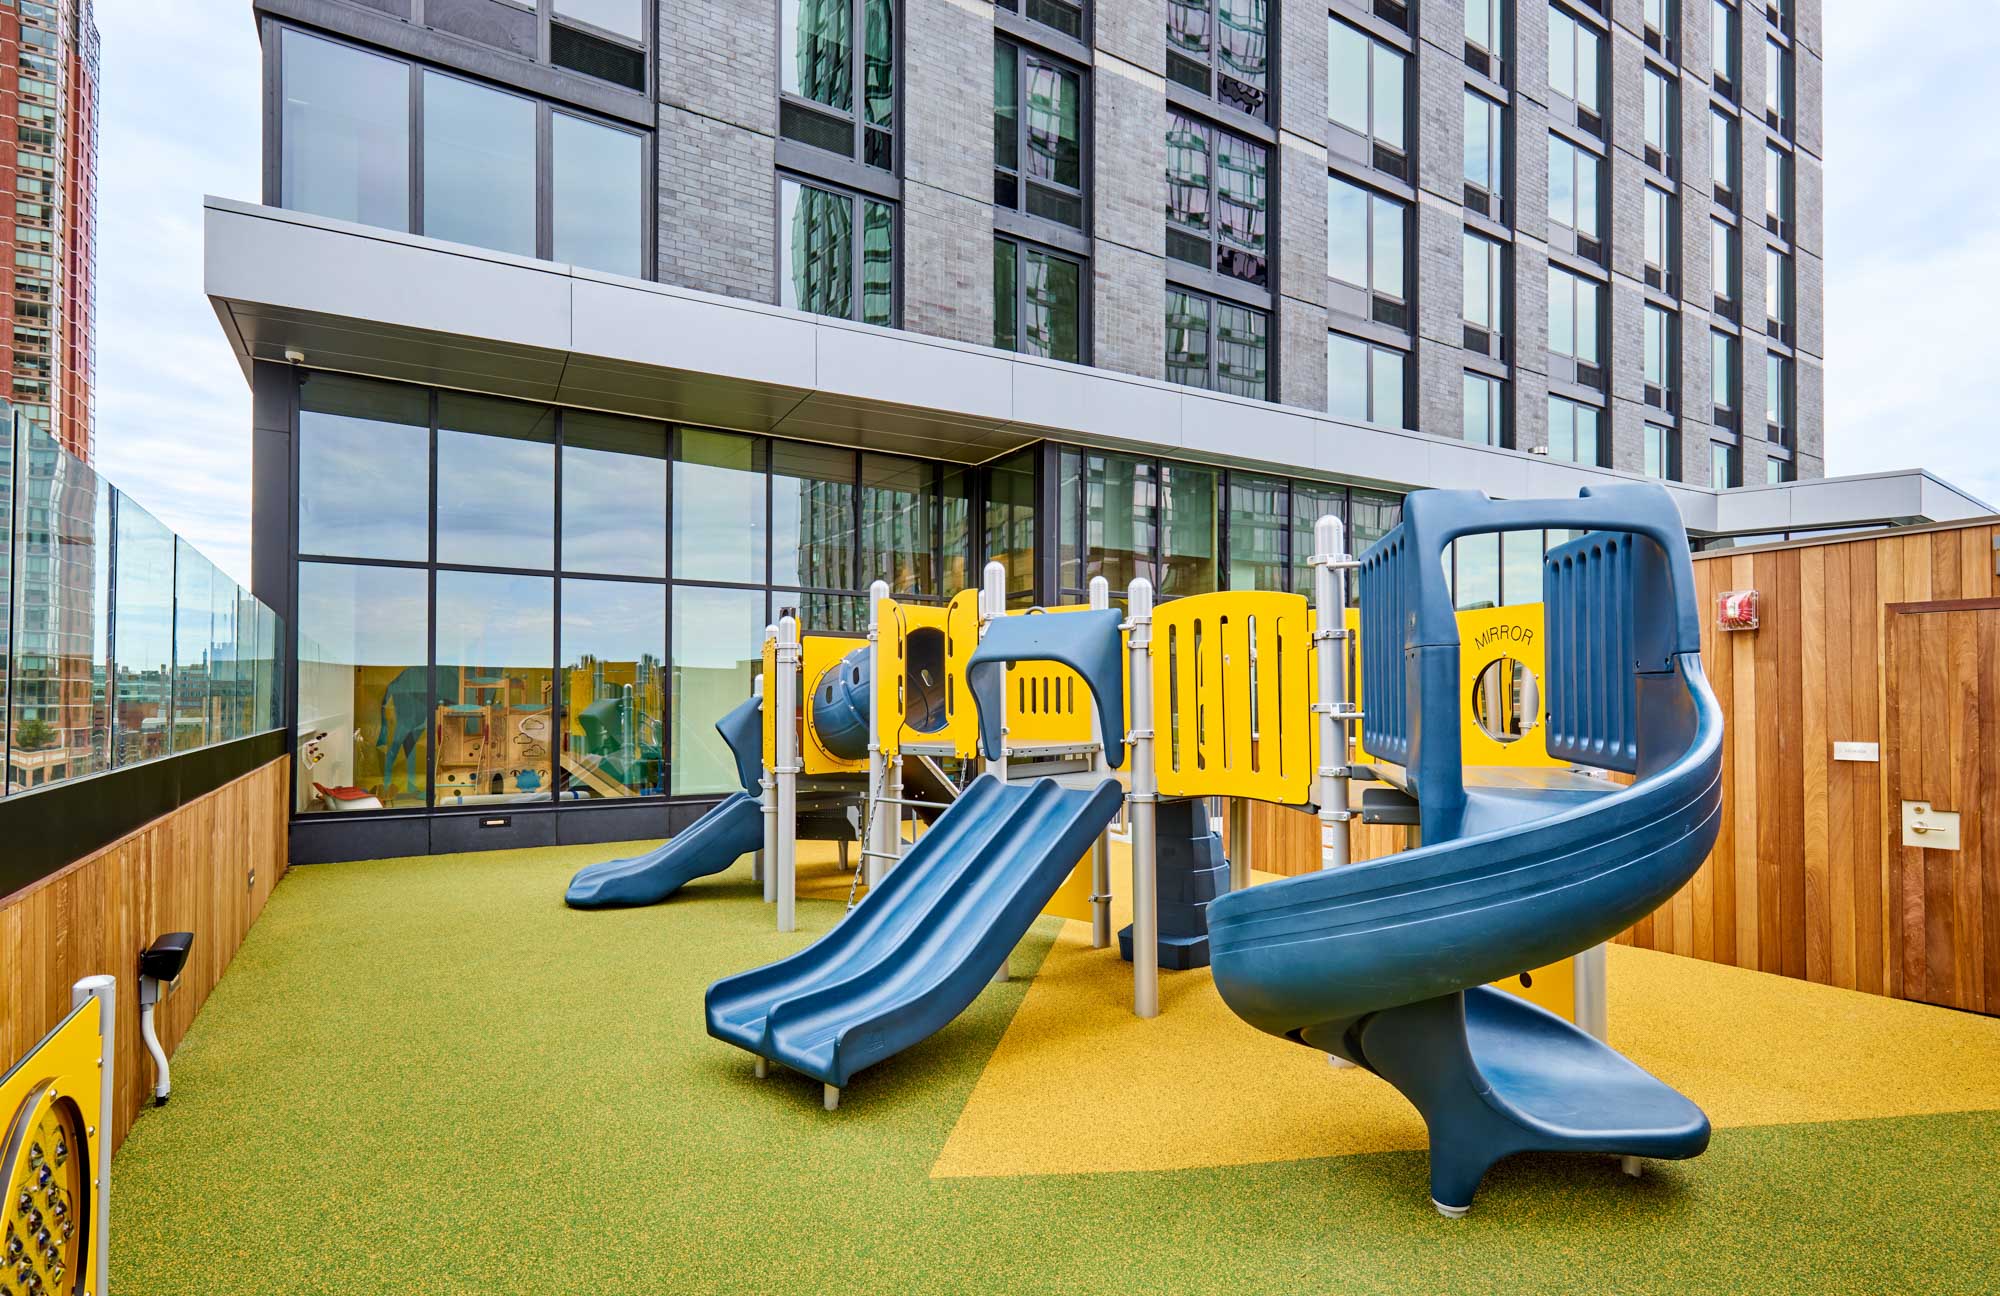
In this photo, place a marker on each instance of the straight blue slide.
(729, 831)
(1386, 963)
(919, 948)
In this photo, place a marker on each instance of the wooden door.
(1944, 748)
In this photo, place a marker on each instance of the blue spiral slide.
(1386, 963)
(730, 830)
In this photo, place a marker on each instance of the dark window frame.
(1024, 51)
(1372, 349)
(1030, 11)
(1217, 281)
(801, 157)
(1392, 310)
(855, 197)
(1214, 344)
(1212, 75)
(1021, 247)
(1374, 148)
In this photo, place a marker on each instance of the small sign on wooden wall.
(1736, 610)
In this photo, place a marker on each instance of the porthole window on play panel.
(499, 170)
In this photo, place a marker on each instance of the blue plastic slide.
(918, 949)
(1386, 963)
(730, 830)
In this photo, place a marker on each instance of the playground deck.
(428, 1075)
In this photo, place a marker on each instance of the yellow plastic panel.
(770, 707)
(53, 1135)
(820, 654)
(958, 622)
(1487, 636)
(1231, 693)
(1552, 987)
(1048, 704)
(892, 646)
(961, 636)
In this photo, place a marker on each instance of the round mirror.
(1506, 700)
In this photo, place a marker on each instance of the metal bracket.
(1141, 798)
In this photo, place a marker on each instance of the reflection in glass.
(878, 263)
(364, 719)
(614, 495)
(495, 718)
(479, 165)
(193, 577)
(145, 644)
(1006, 295)
(812, 515)
(717, 652)
(55, 614)
(345, 134)
(1241, 364)
(1187, 338)
(496, 482)
(1346, 232)
(1259, 525)
(1477, 565)
(1188, 524)
(1009, 528)
(816, 51)
(1347, 75)
(897, 525)
(1120, 499)
(224, 719)
(624, 17)
(614, 646)
(1052, 306)
(718, 506)
(955, 530)
(597, 195)
(364, 468)
(816, 250)
(1055, 152)
(1310, 503)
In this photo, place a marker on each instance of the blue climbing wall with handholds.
(1192, 872)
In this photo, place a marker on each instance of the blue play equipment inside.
(1386, 963)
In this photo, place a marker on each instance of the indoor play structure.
(1385, 963)
(55, 1161)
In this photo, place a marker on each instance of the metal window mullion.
(430, 574)
(558, 700)
(416, 180)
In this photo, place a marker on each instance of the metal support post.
(767, 801)
(1100, 850)
(1143, 800)
(1329, 561)
(876, 839)
(992, 606)
(786, 862)
(104, 989)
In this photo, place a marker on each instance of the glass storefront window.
(719, 490)
(955, 531)
(1259, 523)
(812, 515)
(614, 495)
(897, 525)
(145, 614)
(494, 699)
(597, 192)
(1312, 501)
(479, 165)
(193, 577)
(718, 647)
(364, 469)
(614, 687)
(496, 467)
(364, 719)
(1010, 522)
(1189, 526)
(1120, 497)
(345, 133)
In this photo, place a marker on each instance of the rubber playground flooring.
(429, 1076)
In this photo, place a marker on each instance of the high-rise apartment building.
(585, 335)
(48, 311)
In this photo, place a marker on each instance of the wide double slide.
(1386, 963)
(919, 948)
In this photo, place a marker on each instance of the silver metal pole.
(1329, 560)
(876, 838)
(767, 800)
(788, 774)
(992, 606)
(103, 988)
(1143, 802)
(1100, 850)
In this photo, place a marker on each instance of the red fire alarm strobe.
(1736, 610)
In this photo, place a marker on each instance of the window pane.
(898, 525)
(1241, 366)
(1656, 451)
(1774, 389)
(1562, 429)
(718, 646)
(878, 264)
(1587, 449)
(955, 528)
(1053, 306)
(1562, 53)
(1656, 227)
(1480, 164)
(598, 187)
(1655, 323)
(345, 134)
(614, 495)
(495, 686)
(1722, 369)
(364, 469)
(1586, 67)
(1478, 281)
(1346, 378)
(1562, 182)
(364, 696)
(1386, 386)
(1481, 423)
(1258, 526)
(816, 51)
(1388, 102)
(479, 165)
(621, 16)
(1240, 206)
(614, 653)
(1119, 519)
(1656, 109)
(1586, 320)
(1722, 40)
(1189, 526)
(1187, 339)
(1521, 566)
(1586, 193)
(1006, 318)
(879, 65)
(1055, 154)
(1346, 232)
(145, 647)
(1010, 522)
(816, 250)
(812, 515)
(1006, 106)
(1562, 312)
(496, 482)
(1478, 21)
(1310, 503)
(719, 506)
(1188, 148)
(1347, 76)
(1387, 247)
(1477, 563)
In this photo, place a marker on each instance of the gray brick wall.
(1128, 205)
(948, 169)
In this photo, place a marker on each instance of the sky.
(1912, 235)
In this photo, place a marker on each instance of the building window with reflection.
(1217, 197)
(1367, 98)
(1220, 50)
(1217, 344)
(1574, 432)
(1063, 16)
(837, 77)
(1366, 236)
(1365, 383)
(836, 253)
(1038, 301)
(1038, 164)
